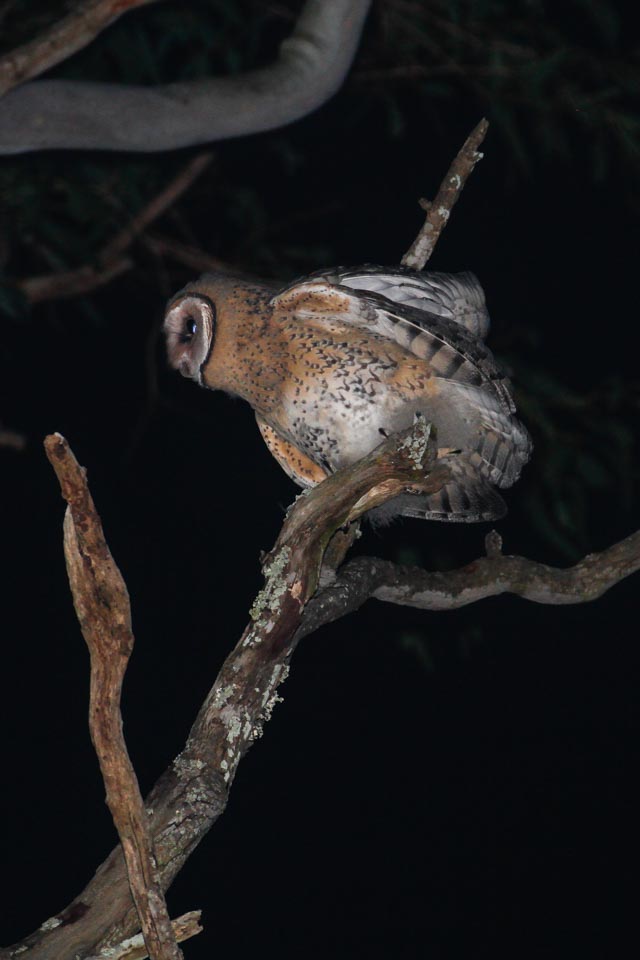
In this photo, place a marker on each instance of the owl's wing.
(451, 351)
(454, 296)
(471, 387)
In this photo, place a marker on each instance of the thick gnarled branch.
(193, 792)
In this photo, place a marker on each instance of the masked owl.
(339, 360)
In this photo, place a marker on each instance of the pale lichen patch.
(232, 723)
(416, 443)
(270, 597)
(222, 694)
(187, 768)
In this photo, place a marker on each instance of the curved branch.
(64, 38)
(311, 66)
(367, 577)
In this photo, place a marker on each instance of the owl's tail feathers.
(466, 498)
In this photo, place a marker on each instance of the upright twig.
(439, 211)
(101, 602)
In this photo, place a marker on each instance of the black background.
(434, 784)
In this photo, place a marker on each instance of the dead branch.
(192, 257)
(165, 199)
(439, 211)
(193, 792)
(311, 66)
(111, 261)
(64, 38)
(101, 602)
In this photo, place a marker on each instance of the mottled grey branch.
(311, 66)
(368, 578)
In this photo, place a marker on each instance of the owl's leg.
(295, 464)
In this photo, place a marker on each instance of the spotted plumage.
(337, 361)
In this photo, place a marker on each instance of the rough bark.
(193, 792)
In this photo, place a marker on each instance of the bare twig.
(165, 199)
(439, 211)
(59, 41)
(101, 602)
(71, 283)
(111, 261)
(192, 257)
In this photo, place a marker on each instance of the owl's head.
(189, 327)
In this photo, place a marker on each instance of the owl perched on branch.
(339, 360)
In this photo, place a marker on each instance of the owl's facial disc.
(189, 327)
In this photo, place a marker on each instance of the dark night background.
(434, 784)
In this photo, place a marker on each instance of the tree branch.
(101, 603)
(64, 38)
(311, 66)
(439, 211)
(193, 792)
(366, 578)
(111, 261)
(133, 948)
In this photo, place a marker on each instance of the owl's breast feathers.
(337, 361)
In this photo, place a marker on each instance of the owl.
(339, 360)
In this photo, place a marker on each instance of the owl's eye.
(189, 330)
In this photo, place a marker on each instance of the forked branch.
(193, 791)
